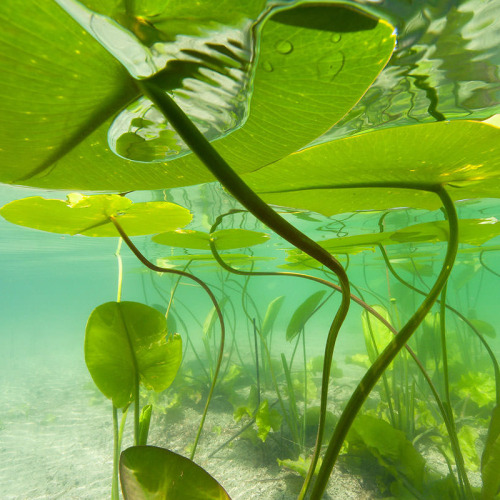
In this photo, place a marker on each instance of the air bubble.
(284, 47)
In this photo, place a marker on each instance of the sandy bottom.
(56, 443)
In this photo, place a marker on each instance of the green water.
(56, 427)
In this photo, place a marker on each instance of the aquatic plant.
(121, 83)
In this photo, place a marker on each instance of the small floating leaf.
(90, 215)
(225, 239)
(151, 473)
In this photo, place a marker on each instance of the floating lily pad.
(225, 239)
(231, 259)
(471, 231)
(68, 89)
(90, 215)
(380, 170)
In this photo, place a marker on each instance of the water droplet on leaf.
(336, 37)
(284, 47)
(329, 66)
(267, 66)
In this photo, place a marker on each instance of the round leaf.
(312, 64)
(379, 170)
(148, 473)
(89, 215)
(127, 339)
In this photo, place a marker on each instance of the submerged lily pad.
(90, 215)
(381, 170)
(225, 239)
(125, 340)
(148, 472)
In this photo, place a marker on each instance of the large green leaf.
(151, 473)
(302, 314)
(90, 215)
(125, 340)
(378, 170)
(61, 91)
(225, 239)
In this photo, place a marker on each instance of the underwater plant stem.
(255, 205)
(256, 361)
(116, 456)
(376, 370)
(200, 282)
(494, 361)
(120, 270)
(455, 445)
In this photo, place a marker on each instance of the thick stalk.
(374, 373)
(235, 185)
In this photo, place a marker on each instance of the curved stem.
(159, 269)
(254, 204)
(361, 302)
(374, 373)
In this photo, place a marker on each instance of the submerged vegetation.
(125, 96)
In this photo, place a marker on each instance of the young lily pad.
(302, 314)
(125, 340)
(225, 239)
(90, 215)
(380, 170)
(306, 76)
(151, 473)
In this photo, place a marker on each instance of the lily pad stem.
(200, 282)
(374, 373)
(255, 205)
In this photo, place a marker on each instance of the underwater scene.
(250, 250)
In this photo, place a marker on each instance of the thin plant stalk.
(457, 313)
(200, 282)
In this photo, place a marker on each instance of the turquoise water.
(56, 427)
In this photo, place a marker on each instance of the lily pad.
(225, 239)
(149, 473)
(90, 215)
(68, 89)
(380, 170)
(125, 340)
(231, 259)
